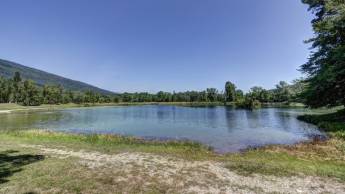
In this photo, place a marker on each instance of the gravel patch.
(192, 176)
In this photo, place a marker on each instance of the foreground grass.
(19, 163)
(318, 158)
(107, 143)
(324, 158)
(47, 167)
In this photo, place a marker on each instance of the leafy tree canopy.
(230, 92)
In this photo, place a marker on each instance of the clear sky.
(152, 45)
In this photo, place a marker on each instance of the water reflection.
(27, 120)
(224, 128)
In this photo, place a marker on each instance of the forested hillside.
(8, 69)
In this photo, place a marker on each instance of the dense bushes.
(248, 103)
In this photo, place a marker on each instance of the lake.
(224, 128)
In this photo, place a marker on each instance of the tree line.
(283, 92)
(27, 93)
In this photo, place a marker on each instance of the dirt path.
(191, 176)
(5, 111)
(22, 109)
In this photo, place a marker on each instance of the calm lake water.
(225, 129)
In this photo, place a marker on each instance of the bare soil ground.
(176, 175)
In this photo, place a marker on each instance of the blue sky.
(152, 45)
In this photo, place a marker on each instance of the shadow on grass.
(11, 162)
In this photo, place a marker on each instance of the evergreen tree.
(326, 65)
(211, 94)
(17, 87)
(31, 94)
(230, 92)
(5, 90)
(17, 78)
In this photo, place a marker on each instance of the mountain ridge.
(8, 68)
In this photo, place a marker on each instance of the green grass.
(108, 143)
(333, 123)
(284, 105)
(321, 159)
(284, 161)
(29, 172)
(19, 164)
(17, 107)
(54, 175)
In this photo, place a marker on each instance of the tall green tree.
(230, 92)
(5, 90)
(17, 78)
(17, 88)
(296, 89)
(326, 65)
(67, 97)
(31, 94)
(211, 94)
(239, 94)
(90, 97)
(52, 94)
(282, 92)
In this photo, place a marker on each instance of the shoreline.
(6, 108)
(111, 170)
(111, 163)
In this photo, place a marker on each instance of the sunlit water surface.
(225, 129)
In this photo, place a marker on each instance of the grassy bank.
(11, 107)
(333, 123)
(317, 158)
(16, 107)
(49, 162)
(57, 162)
(284, 105)
(107, 143)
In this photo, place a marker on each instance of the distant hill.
(8, 68)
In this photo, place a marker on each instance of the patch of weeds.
(248, 167)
